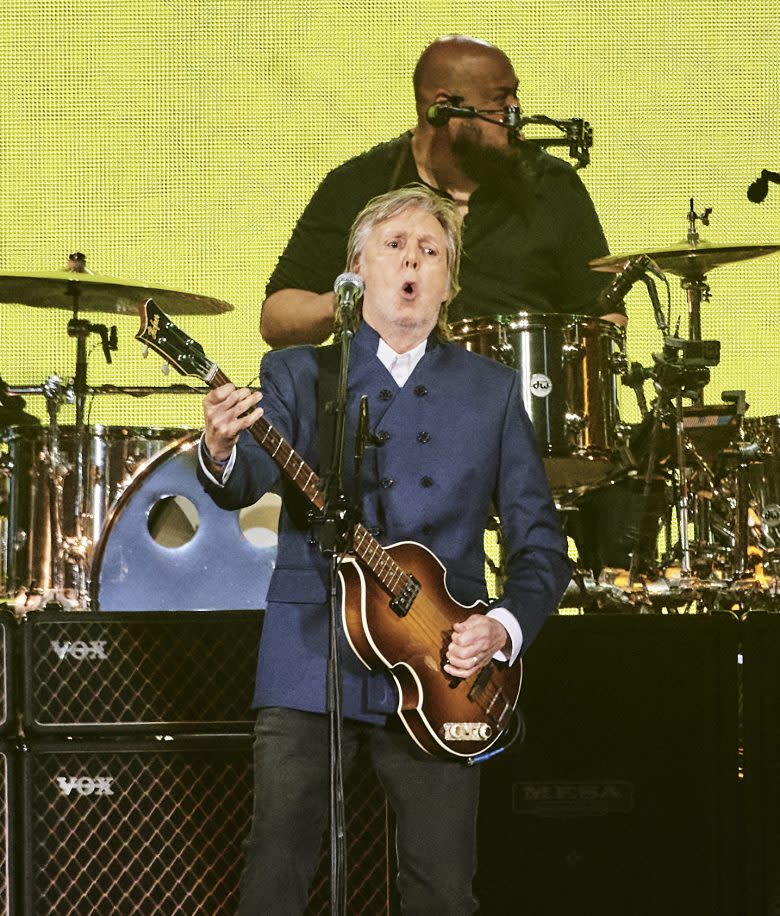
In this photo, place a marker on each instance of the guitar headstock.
(160, 334)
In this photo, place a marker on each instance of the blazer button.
(385, 394)
(423, 437)
(421, 391)
(426, 482)
(382, 436)
(386, 482)
(375, 531)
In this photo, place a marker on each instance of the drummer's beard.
(510, 171)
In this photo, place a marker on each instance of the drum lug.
(503, 353)
(574, 422)
(618, 362)
(572, 352)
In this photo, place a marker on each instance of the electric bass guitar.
(397, 611)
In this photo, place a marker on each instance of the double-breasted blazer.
(456, 444)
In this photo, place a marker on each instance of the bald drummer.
(530, 225)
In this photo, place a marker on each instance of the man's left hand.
(473, 644)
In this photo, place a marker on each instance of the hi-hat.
(95, 293)
(683, 260)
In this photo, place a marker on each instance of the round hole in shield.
(259, 523)
(172, 521)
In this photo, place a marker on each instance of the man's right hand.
(227, 411)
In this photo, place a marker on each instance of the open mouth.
(409, 289)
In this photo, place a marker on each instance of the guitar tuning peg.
(145, 351)
(165, 369)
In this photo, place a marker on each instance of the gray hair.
(412, 197)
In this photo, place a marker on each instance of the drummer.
(530, 227)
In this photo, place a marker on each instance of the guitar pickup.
(402, 603)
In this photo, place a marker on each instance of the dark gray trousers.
(434, 801)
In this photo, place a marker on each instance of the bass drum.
(167, 546)
(569, 367)
(38, 519)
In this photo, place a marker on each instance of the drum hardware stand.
(57, 469)
(681, 370)
(741, 455)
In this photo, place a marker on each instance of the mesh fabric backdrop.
(176, 141)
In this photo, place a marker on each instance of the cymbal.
(683, 260)
(94, 293)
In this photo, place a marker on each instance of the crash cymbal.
(685, 261)
(94, 293)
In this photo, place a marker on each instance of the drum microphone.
(636, 269)
(349, 289)
(758, 191)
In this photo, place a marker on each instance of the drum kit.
(714, 532)
(57, 482)
(715, 540)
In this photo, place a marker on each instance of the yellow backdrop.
(176, 141)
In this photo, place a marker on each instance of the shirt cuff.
(204, 464)
(508, 620)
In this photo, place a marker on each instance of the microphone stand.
(335, 524)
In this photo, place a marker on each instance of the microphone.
(758, 191)
(440, 113)
(635, 270)
(348, 287)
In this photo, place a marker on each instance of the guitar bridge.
(402, 603)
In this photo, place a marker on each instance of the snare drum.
(569, 367)
(39, 519)
(166, 544)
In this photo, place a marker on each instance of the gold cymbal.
(94, 293)
(686, 261)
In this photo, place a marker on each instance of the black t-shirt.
(516, 258)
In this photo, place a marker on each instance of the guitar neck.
(365, 545)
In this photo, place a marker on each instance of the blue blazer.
(457, 443)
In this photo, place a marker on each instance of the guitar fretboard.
(292, 465)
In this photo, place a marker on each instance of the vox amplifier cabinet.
(138, 672)
(623, 796)
(8, 829)
(8, 627)
(156, 826)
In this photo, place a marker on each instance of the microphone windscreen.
(438, 115)
(758, 190)
(346, 281)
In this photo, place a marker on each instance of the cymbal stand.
(57, 470)
(78, 545)
(696, 289)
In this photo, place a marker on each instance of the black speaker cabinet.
(8, 830)
(761, 712)
(622, 800)
(8, 693)
(127, 672)
(156, 826)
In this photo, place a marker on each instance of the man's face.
(404, 266)
(486, 80)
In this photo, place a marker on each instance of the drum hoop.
(176, 447)
(521, 320)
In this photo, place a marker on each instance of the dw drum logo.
(541, 385)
